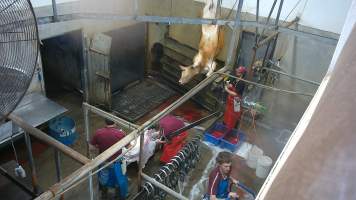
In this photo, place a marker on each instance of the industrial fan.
(18, 52)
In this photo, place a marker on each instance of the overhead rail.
(183, 20)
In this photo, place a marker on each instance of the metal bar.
(278, 13)
(268, 18)
(181, 20)
(85, 49)
(54, 8)
(249, 69)
(232, 46)
(202, 120)
(31, 163)
(84, 170)
(140, 165)
(257, 19)
(274, 43)
(112, 117)
(268, 87)
(49, 140)
(91, 186)
(85, 46)
(163, 187)
(292, 76)
(87, 130)
(57, 160)
(270, 37)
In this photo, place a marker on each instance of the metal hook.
(169, 170)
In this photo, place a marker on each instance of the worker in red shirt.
(220, 182)
(235, 89)
(171, 147)
(111, 176)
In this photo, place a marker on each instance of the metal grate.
(18, 51)
(140, 99)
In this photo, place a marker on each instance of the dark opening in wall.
(62, 63)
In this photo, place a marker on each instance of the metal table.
(35, 109)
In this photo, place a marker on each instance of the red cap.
(170, 124)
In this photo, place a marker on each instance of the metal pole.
(163, 187)
(254, 49)
(257, 16)
(110, 116)
(140, 165)
(232, 46)
(290, 75)
(332, 40)
(32, 163)
(49, 140)
(269, 38)
(85, 46)
(84, 170)
(54, 8)
(87, 136)
(196, 123)
(57, 160)
(268, 18)
(276, 37)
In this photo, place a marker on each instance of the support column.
(57, 160)
(32, 164)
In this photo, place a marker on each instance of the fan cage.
(19, 45)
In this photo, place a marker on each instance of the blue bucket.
(63, 130)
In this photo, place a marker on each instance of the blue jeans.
(112, 176)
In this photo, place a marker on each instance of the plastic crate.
(226, 142)
(211, 136)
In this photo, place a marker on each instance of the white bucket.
(253, 156)
(264, 164)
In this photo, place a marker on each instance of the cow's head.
(188, 73)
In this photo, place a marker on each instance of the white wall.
(327, 15)
(40, 3)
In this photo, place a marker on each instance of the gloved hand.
(160, 141)
(233, 195)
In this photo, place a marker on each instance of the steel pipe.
(193, 124)
(57, 160)
(55, 13)
(31, 163)
(49, 140)
(232, 46)
(290, 75)
(110, 116)
(182, 20)
(270, 37)
(140, 161)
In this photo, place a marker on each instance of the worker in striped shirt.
(220, 181)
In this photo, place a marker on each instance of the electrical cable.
(14, 149)
(292, 10)
(232, 8)
(265, 86)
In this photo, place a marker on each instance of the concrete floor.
(265, 136)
